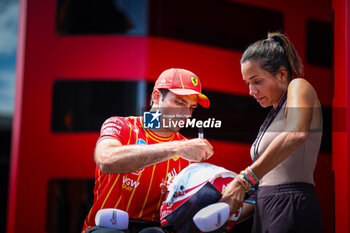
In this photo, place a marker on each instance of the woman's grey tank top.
(300, 164)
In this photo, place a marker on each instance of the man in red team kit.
(132, 160)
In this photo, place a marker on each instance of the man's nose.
(186, 112)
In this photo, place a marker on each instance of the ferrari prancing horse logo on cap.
(194, 81)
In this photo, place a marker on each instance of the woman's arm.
(301, 100)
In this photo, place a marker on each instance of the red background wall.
(340, 139)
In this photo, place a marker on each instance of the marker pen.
(200, 133)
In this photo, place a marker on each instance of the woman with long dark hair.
(285, 151)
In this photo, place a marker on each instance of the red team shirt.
(137, 193)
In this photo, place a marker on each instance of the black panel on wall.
(319, 43)
(84, 105)
(225, 24)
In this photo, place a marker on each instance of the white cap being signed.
(212, 217)
(112, 218)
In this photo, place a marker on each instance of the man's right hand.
(195, 150)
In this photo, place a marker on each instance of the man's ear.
(156, 97)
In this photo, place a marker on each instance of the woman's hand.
(233, 195)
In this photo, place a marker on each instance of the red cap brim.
(202, 99)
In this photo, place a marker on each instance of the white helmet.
(195, 187)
